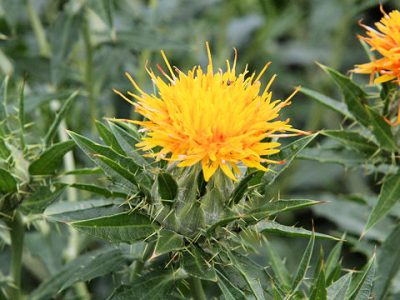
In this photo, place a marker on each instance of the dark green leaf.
(274, 227)
(167, 186)
(168, 241)
(108, 137)
(366, 289)
(8, 183)
(42, 197)
(320, 292)
(4, 151)
(388, 197)
(381, 130)
(58, 118)
(328, 102)
(124, 227)
(278, 266)
(303, 266)
(49, 160)
(197, 264)
(354, 96)
(84, 268)
(99, 190)
(388, 263)
(244, 184)
(359, 278)
(287, 154)
(347, 158)
(229, 290)
(353, 140)
(333, 261)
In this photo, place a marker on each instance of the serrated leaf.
(353, 140)
(274, 227)
(358, 279)
(196, 263)
(338, 290)
(243, 186)
(388, 197)
(124, 227)
(108, 138)
(42, 197)
(366, 289)
(278, 266)
(228, 289)
(287, 154)
(84, 268)
(388, 263)
(353, 95)
(154, 285)
(8, 184)
(50, 159)
(99, 190)
(83, 210)
(127, 143)
(381, 130)
(168, 241)
(303, 266)
(58, 118)
(167, 186)
(328, 102)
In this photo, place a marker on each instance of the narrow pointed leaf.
(303, 266)
(244, 184)
(124, 227)
(388, 197)
(366, 289)
(287, 154)
(353, 95)
(359, 278)
(388, 263)
(58, 118)
(381, 130)
(42, 198)
(320, 291)
(168, 241)
(50, 159)
(196, 263)
(228, 289)
(278, 266)
(8, 183)
(106, 192)
(108, 137)
(338, 290)
(353, 140)
(328, 102)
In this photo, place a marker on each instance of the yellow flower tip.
(384, 39)
(218, 119)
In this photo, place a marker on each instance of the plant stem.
(17, 239)
(197, 289)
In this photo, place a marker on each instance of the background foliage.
(63, 58)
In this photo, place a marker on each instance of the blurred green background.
(61, 46)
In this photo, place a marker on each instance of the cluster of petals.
(215, 118)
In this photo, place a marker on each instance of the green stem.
(44, 47)
(89, 71)
(197, 289)
(17, 231)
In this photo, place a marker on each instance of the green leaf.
(344, 157)
(287, 154)
(245, 186)
(353, 140)
(338, 290)
(124, 227)
(366, 289)
(333, 261)
(274, 227)
(154, 285)
(83, 210)
(251, 273)
(84, 171)
(84, 268)
(49, 160)
(388, 197)
(381, 130)
(168, 241)
(128, 142)
(303, 266)
(167, 186)
(388, 263)
(196, 263)
(108, 137)
(99, 190)
(5, 153)
(328, 102)
(8, 184)
(213, 205)
(228, 289)
(354, 96)
(277, 266)
(42, 198)
(58, 118)
(359, 278)
(320, 292)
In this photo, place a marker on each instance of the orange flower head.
(385, 39)
(218, 119)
